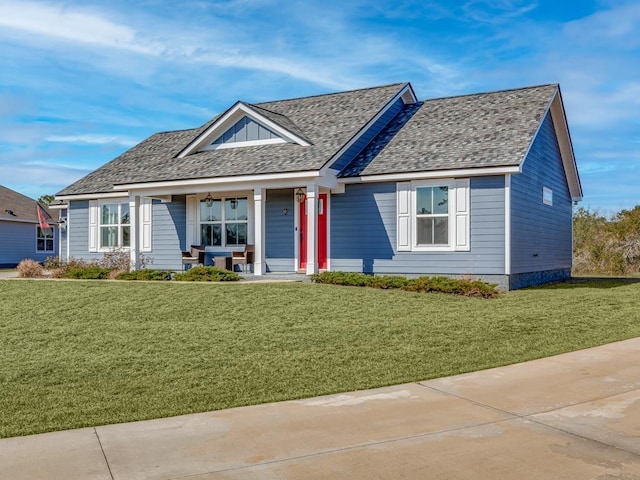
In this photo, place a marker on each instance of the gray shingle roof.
(327, 121)
(471, 131)
(23, 207)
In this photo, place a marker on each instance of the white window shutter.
(403, 233)
(462, 215)
(93, 225)
(146, 211)
(192, 224)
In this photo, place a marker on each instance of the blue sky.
(83, 81)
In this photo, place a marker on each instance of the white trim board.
(399, 177)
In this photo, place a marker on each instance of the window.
(547, 196)
(114, 225)
(432, 215)
(224, 222)
(44, 239)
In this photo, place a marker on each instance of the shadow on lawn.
(590, 282)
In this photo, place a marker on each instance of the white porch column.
(312, 229)
(134, 237)
(259, 198)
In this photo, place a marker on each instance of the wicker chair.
(243, 258)
(195, 256)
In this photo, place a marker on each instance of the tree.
(46, 199)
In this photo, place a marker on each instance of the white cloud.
(497, 11)
(92, 139)
(70, 24)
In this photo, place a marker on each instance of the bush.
(207, 274)
(464, 287)
(53, 263)
(89, 272)
(467, 288)
(28, 268)
(145, 274)
(388, 281)
(606, 245)
(352, 279)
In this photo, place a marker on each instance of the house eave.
(457, 173)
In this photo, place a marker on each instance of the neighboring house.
(368, 180)
(20, 233)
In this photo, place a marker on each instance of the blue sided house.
(21, 233)
(369, 180)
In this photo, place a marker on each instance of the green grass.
(80, 353)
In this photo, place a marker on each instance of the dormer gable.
(244, 132)
(241, 126)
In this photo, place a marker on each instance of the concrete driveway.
(573, 416)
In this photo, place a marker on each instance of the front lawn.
(81, 353)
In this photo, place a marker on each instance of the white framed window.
(114, 229)
(44, 239)
(224, 221)
(547, 196)
(433, 215)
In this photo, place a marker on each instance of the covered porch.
(285, 221)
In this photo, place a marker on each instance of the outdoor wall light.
(208, 200)
(234, 203)
(300, 195)
(285, 210)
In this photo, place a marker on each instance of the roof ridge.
(490, 92)
(331, 93)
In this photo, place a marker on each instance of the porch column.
(134, 237)
(259, 197)
(312, 229)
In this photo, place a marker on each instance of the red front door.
(322, 232)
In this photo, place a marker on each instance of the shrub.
(464, 287)
(207, 274)
(53, 263)
(89, 272)
(28, 268)
(352, 279)
(388, 281)
(467, 288)
(145, 274)
(116, 259)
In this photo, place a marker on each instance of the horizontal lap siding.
(18, 241)
(279, 231)
(367, 136)
(78, 231)
(169, 229)
(363, 233)
(541, 234)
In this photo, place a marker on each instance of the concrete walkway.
(573, 416)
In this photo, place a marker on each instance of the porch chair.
(243, 258)
(195, 256)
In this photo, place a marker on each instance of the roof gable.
(245, 132)
(234, 124)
